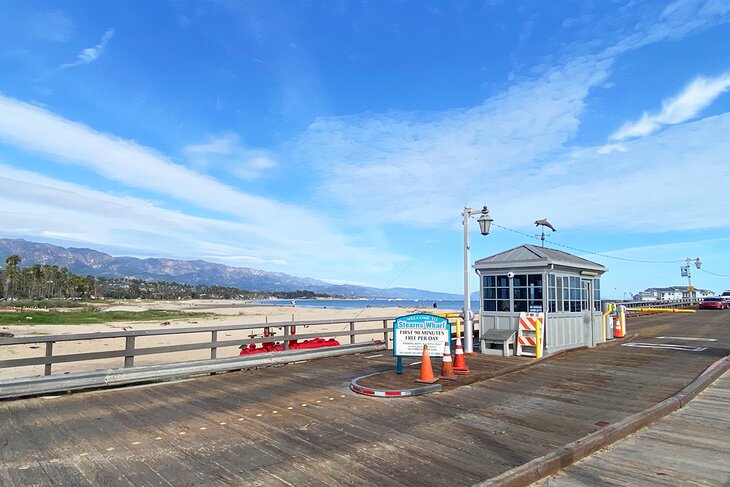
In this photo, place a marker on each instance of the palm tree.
(11, 270)
(37, 272)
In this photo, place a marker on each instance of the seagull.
(544, 223)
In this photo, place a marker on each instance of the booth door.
(587, 305)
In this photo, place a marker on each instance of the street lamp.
(686, 272)
(485, 223)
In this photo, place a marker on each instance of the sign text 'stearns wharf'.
(412, 332)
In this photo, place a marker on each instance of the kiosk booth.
(565, 288)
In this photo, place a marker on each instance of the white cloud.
(420, 168)
(513, 152)
(307, 235)
(672, 181)
(34, 205)
(699, 94)
(227, 151)
(90, 54)
(608, 148)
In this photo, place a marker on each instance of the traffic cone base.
(460, 366)
(426, 375)
(447, 366)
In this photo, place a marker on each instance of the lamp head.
(485, 223)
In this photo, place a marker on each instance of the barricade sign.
(530, 334)
(412, 332)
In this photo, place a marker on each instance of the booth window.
(496, 293)
(597, 294)
(528, 293)
(552, 294)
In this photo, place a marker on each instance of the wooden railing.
(131, 350)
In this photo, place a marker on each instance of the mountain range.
(85, 261)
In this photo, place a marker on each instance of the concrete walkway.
(689, 447)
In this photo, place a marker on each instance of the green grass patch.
(87, 317)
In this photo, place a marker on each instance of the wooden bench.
(498, 341)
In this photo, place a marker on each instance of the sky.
(341, 140)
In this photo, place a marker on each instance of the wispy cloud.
(417, 168)
(90, 54)
(228, 152)
(699, 94)
(315, 240)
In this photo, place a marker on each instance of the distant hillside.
(87, 261)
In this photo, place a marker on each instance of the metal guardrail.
(679, 303)
(131, 350)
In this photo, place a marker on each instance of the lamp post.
(686, 271)
(485, 222)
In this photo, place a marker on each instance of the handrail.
(130, 349)
(178, 331)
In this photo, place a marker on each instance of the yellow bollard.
(458, 327)
(609, 308)
(538, 339)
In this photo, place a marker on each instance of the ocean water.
(369, 303)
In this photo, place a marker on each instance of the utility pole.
(687, 272)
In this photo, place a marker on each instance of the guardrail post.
(352, 329)
(385, 333)
(49, 355)
(213, 344)
(129, 349)
(286, 334)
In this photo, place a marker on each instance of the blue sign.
(412, 332)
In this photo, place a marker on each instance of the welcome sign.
(412, 332)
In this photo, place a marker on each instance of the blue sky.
(341, 140)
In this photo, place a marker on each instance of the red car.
(713, 303)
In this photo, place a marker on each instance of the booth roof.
(534, 256)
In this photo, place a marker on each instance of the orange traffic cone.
(447, 366)
(460, 366)
(426, 369)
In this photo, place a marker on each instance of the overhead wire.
(590, 252)
(714, 274)
(444, 231)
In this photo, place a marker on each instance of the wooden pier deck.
(300, 425)
(688, 447)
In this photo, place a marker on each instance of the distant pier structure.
(529, 278)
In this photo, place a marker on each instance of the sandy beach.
(222, 313)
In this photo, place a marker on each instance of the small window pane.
(535, 280)
(490, 293)
(520, 293)
(503, 293)
(490, 281)
(520, 280)
(535, 293)
(502, 281)
(520, 305)
(503, 305)
(490, 305)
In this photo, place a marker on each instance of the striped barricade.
(529, 335)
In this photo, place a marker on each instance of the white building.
(673, 293)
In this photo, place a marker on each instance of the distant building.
(673, 293)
